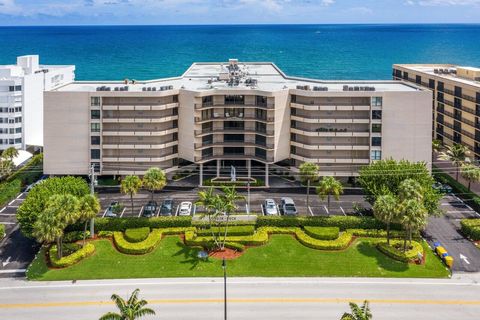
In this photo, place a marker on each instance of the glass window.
(376, 114)
(431, 84)
(229, 100)
(95, 101)
(95, 140)
(418, 79)
(261, 101)
(95, 127)
(95, 114)
(11, 88)
(377, 101)
(95, 154)
(376, 155)
(207, 101)
(376, 128)
(376, 141)
(18, 88)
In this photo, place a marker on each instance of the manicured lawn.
(283, 256)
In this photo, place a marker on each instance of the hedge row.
(71, 259)
(471, 228)
(232, 231)
(399, 255)
(342, 242)
(374, 233)
(322, 233)
(75, 236)
(205, 224)
(145, 246)
(2, 231)
(122, 224)
(342, 222)
(137, 234)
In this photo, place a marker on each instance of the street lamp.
(224, 267)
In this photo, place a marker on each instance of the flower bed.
(395, 250)
(70, 259)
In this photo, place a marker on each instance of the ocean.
(317, 51)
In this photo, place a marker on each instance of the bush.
(322, 233)
(232, 231)
(137, 234)
(142, 247)
(471, 228)
(375, 233)
(75, 236)
(71, 259)
(235, 246)
(2, 231)
(205, 224)
(342, 222)
(122, 224)
(340, 243)
(394, 250)
(105, 234)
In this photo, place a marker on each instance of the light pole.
(224, 267)
(92, 192)
(248, 197)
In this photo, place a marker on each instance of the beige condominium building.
(245, 115)
(456, 100)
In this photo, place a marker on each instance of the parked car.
(112, 210)
(270, 207)
(444, 188)
(288, 207)
(185, 208)
(150, 209)
(167, 207)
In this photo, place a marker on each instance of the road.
(249, 298)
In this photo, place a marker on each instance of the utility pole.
(92, 192)
(224, 266)
(248, 196)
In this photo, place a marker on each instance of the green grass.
(283, 256)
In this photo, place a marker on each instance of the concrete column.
(218, 168)
(267, 184)
(201, 175)
(249, 168)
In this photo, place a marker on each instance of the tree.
(154, 179)
(410, 189)
(130, 185)
(470, 173)
(6, 167)
(36, 200)
(457, 154)
(385, 209)
(228, 202)
(211, 203)
(10, 153)
(413, 218)
(132, 309)
(329, 186)
(437, 146)
(308, 174)
(88, 208)
(61, 211)
(357, 312)
(385, 176)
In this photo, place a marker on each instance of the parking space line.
(9, 223)
(194, 209)
(176, 212)
(13, 271)
(21, 194)
(310, 209)
(104, 213)
(13, 206)
(123, 211)
(11, 202)
(262, 211)
(460, 211)
(140, 213)
(326, 210)
(3, 209)
(8, 214)
(343, 211)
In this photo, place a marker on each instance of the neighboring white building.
(21, 99)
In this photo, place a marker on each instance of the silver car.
(270, 207)
(185, 208)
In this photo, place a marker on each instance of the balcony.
(233, 118)
(320, 133)
(136, 158)
(137, 132)
(139, 107)
(142, 119)
(200, 106)
(324, 159)
(331, 120)
(201, 145)
(252, 156)
(202, 132)
(140, 146)
(334, 107)
(333, 146)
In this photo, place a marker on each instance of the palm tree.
(470, 173)
(308, 173)
(154, 179)
(228, 201)
(10, 153)
(385, 209)
(131, 309)
(329, 186)
(47, 230)
(209, 201)
(457, 154)
(410, 189)
(357, 312)
(88, 207)
(6, 167)
(437, 145)
(130, 185)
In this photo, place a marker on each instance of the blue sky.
(68, 12)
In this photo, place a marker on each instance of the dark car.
(150, 209)
(167, 207)
(112, 210)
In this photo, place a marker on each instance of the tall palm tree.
(308, 174)
(410, 189)
(210, 201)
(457, 154)
(470, 173)
(329, 186)
(131, 309)
(385, 209)
(88, 208)
(47, 230)
(413, 218)
(437, 146)
(130, 185)
(357, 312)
(154, 179)
(10, 153)
(6, 167)
(228, 201)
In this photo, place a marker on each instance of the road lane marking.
(459, 211)
(242, 301)
(13, 271)
(21, 194)
(343, 211)
(464, 258)
(3, 209)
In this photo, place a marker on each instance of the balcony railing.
(201, 132)
(199, 106)
(201, 145)
(234, 118)
(268, 158)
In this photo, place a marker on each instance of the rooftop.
(461, 74)
(230, 75)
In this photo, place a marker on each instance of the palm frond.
(111, 316)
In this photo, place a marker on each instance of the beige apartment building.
(456, 100)
(246, 115)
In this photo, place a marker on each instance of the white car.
(270, 207)
(185, 208)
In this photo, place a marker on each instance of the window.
(233, 125)
(95, 140)
(18, 88)
(440, 86)
(94, 114)
(260, 140)
(458, 91)
(376, 155)
(260, 153)
(18, 130)
(95, 127)
(294, 98)
(431, 84)
(418, 79)
(230, 99)
(95, 154)
(207, 152)
(207, 101)
(11, 88)
(405, 75)
(376, 141)
(376, 128)
(376, 114)
(175, 99)
(234, 138)
(175, 149)
(260, 127)
(440, 96)
(377, 101)
(233, 151)
(96, 166)
(261, 114)
(18, 140)
(261, 101)
(457, 102)
(174, 124)
(206, 140)
(95, 101)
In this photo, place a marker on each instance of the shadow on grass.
(368, 249)
(190, 255)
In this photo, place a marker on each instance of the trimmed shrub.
(235, 246)
(2, 231)
(142, 247)
(394, 250)
(342, 222)
(75, 236)
(374, 233)
(340, 243)
(232, 231)
(205, 224)
(122, 224)
(71, 259)
(105, 234)
(471, 228)
(322, 233)
(137, 234)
